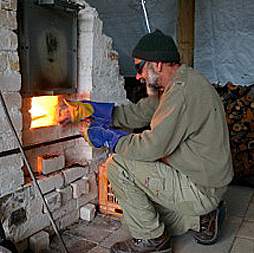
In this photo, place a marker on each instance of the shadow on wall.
(135, 90)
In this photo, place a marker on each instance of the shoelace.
(139, 242)
(208, 221)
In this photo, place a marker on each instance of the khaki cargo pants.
(154, 195)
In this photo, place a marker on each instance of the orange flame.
(44, 111)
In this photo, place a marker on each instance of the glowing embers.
(44, 111)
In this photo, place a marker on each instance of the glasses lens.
(139, 66)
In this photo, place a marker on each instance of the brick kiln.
(76, 61)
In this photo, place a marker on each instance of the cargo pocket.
(186, 197)
(155, 183)
(167, 193)
(154, 187)
(187, 207)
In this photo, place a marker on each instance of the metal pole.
(146, 16)
(31, 172)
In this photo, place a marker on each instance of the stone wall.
(11, 175)
(66, 190)
(98, 63)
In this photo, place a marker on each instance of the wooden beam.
(185, 30)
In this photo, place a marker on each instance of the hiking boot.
(210, 225)
(158, 245)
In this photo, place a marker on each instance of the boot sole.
(160, 251)
(219, 220)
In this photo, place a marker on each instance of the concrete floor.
(237, 234)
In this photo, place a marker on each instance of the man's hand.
(100, 135)
(64, 116)
(79, 111)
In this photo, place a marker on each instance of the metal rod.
(146, 16)
(31, 172)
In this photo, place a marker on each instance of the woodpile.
(238, 102)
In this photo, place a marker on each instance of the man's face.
(148, 75)
(156, 75)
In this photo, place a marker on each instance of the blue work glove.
(100, 135)
(83, 109)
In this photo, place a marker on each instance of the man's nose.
(139, 76)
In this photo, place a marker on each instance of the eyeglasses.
(139, 66)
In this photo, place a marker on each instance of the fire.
(44, 111)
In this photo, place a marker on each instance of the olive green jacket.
(188, 130)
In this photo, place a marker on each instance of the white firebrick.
(87, 212)
(39, 242)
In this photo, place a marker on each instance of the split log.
(238, 104)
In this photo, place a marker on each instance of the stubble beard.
(152, 85)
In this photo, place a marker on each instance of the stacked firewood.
(238, 102)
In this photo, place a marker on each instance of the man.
(170, 178)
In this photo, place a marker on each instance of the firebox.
(47, 47)
(44, 111)
(48, 40)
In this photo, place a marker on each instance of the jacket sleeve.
(168, 129)
(135, 115)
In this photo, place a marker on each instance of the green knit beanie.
(156, 46)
